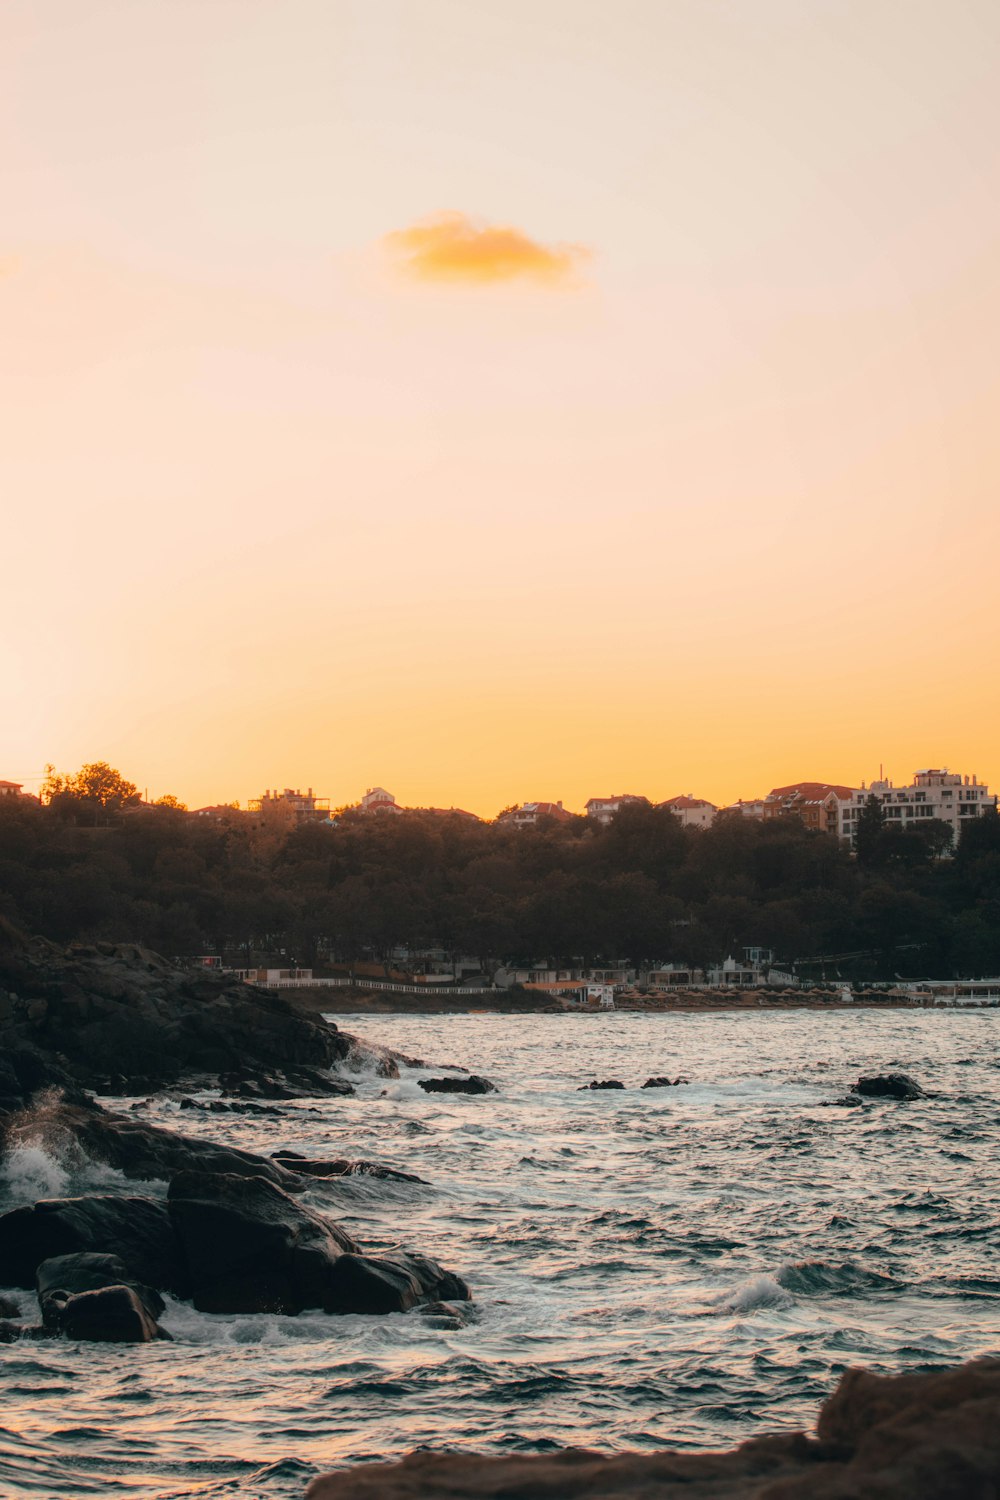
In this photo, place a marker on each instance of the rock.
(137, 1150)
(9, 1308)
(607, 1083)
(290, 1083)
(62, 1281)
(249, 1247)
(396, 1283)
(340, 1167)
(888, 1086)
(470, 1085)
(110, 1315)
(136, 1230)
(934, 1436)
(661, 1082)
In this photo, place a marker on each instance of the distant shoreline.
(360, 1002)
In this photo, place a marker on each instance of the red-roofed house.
(529, 813)
(818, 803)
(378, 802)
(10, 788)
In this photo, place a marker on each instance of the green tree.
(869, 835)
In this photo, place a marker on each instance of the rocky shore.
(903, 1437)
(232, 1235)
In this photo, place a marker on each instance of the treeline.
(643, 889)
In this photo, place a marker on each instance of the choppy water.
(683, 1267)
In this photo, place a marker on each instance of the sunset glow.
(499, 402)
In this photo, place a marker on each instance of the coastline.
(336, 1001)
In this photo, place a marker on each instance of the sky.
(499, 400)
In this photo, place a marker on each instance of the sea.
(683, 1267)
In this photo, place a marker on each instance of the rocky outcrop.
(118, 1018)
(294, 1083)
(888, 1086)
(137, 1230)
(933, 1436)
(601, 1083)
(340, 1167)
(660, 1081)
(472, 1084)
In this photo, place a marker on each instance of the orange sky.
(497, 401)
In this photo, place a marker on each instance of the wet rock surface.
(601, 1083)
(340, 1167)
(930, 1436)
(888, 1086)
(472, 1084)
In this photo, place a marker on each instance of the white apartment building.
(603, 809)
(943, 794)
(693, 812)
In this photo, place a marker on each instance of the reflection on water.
(675, 1267)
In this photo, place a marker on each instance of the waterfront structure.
(529, 813)
(306, 807)
(377, 802)
(603, 809)
(692, 812)
(947, 795)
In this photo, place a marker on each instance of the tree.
(869, 835)
(97, 789)
(169, 800)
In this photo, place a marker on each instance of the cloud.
(453, 247)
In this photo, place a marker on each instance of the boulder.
(136, 1230)
(934, 1436)
(9, 1308)
(289, 1083)
(249, 1247)
(386, 1284)
(662, 1082)
(110, 1315)
(470, 1085)
(606, 1083)
(888, 1086)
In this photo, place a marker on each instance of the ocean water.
(683, 1267)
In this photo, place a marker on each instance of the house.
(304, 805)
(819, 804)
(943, 794)
(603, 809)
(377, 802)
(10, 788)
(752, 809)
(692, 812)
(530, 813)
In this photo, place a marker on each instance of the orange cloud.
(453, 247)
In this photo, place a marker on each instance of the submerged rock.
(606, 1083)
(290, 1083)
(663, 1082)
(340, 1167)
(889, 1086)
(933, 1436)
(473, 1084)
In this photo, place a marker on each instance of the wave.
(820, 1278)
(756, 1292)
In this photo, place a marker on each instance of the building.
(603, 809)
(943, 794)
(751, 809)
(10, 788)
(693, 812)
(819, 804)
(530, 813)
(304, 805)
(377, 802)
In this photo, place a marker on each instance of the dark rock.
(396, 1283)
(470, 1085)
(137, 1150)
(110, 1315)
(63, 1278)
(136, 1230)
(290, 1083)
(340, 1167)
(888, 1086)
(9, 1308)
(607, 1083)
(249, 1247)
(10, 1332)
(905, 1437)
(659, 1082)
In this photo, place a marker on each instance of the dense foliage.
(643, 889)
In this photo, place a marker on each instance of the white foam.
(756, 1292)
(28, 1173)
